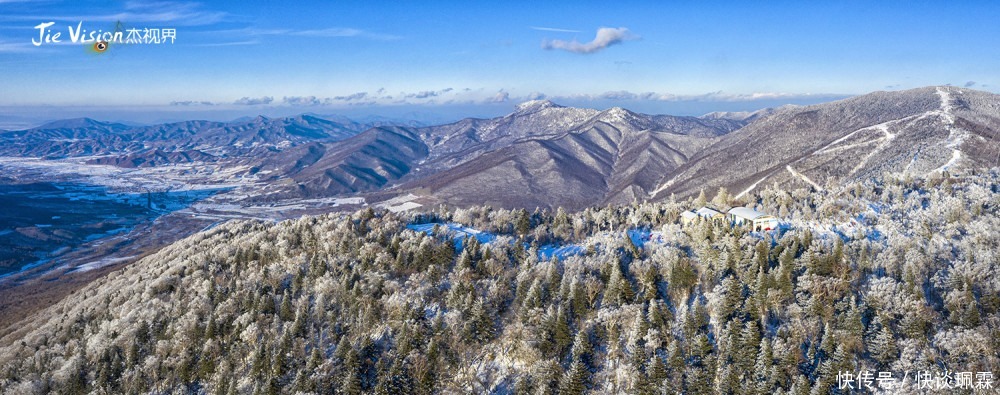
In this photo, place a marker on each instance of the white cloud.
(15, 47)
(188, 103)
(606, 37)
(175, 13)
(228, 44)
(619, 95)
(253, 101)
(500, 97)
(304, 100)
(329, 32)
(426, 94)
(717, 96)
(353, 96)
(342, 32)
(554, 29)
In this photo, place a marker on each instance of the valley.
(519, 252)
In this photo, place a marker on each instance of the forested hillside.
(895, 276)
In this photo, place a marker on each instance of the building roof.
(746, 213)
(707, 212)
(689, 215)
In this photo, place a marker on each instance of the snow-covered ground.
(400, 203)
(224, 209)
(179, 177)
(458, 232)
(101, 263)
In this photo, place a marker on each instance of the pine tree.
(522, 222)
(574, 381)
(480, 325)
(546, 376)
(286, 312)
(657, 371)
(729, 380)
(763, 368)
(582, 348)
(883, 347)
(578, 299)
(350, 383)
(733, 298)
(562, 336)
(701, 199)
(721, 199)
(749, 346)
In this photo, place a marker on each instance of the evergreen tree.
(656, 372)
(350, 383)
(574, 381)
(883, 347)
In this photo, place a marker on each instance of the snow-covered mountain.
(916, 131)
(463, 299)
(542, 154)
(547, 155)
(119, 144)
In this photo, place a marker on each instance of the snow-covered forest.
(898, 275)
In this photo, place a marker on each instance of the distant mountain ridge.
(919, 130)
(136, 146)
(541, 154)
(546, 155)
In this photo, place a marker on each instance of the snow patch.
(956, 155)
(746, 191)
(400, 203)
(102, 263)
(803, 177)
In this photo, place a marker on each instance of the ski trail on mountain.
(752, 187)
(803, 177)
(956, 135)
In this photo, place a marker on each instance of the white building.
(756, 220)
(688, 217)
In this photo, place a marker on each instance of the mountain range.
(200, 299)
(546, 155)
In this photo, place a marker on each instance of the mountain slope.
(369, 161)
(542, 154)
(378, 302)
(615, 156)
(132, 146)
(916, 131)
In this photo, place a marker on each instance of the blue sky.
(450, 59)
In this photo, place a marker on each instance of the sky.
(435, 60)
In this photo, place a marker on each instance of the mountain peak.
(617, 111)
(618, 114)
(73, 123)
(535, 105)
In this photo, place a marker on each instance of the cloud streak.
(427, 94)
(343, 32)
(329, 32)
(254, 101)
(553, 29)
(500, 97)
(188, 103)
(175, 13)
(468, 96)
(304, 100)
(606, 37)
